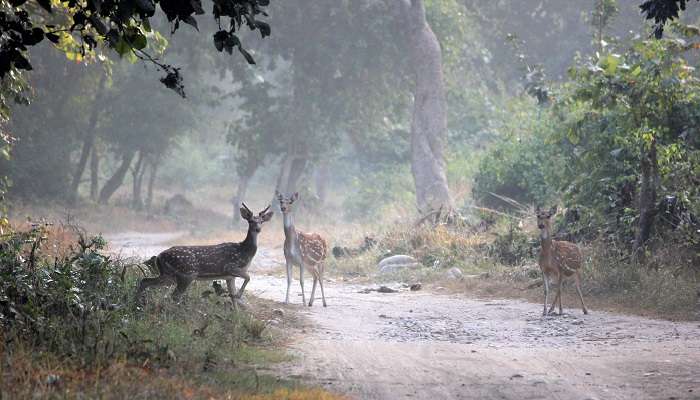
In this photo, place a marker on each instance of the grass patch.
(70, 329)
(501, 261)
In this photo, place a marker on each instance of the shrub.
(68, 305)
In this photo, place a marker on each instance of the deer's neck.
(290, 233)
(251, 240)
(546, 240)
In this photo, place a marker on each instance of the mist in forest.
(367, 109)
(449, 173)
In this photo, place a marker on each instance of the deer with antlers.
(307, 250)
(185, 264)
(558, 259)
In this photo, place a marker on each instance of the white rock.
(397, 262)
(455, 273)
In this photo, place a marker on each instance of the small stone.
(516, 376)
(384, 289)
(454, 273)
(416, 287)
(278, 312)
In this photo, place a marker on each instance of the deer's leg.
(545, 279)
(231, 285)
(313, 292)
(246, 279)
(323, 295)
(149, 282)
(561, 287)
(183, 282)
(578, 289)
(556, 297)
(301, 282)
(289, 281)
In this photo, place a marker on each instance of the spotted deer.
(307, 250)
(558, 260)
(184, 264)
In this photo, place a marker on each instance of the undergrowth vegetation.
(71, 329)
(499, 257)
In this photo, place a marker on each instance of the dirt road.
(430, 346)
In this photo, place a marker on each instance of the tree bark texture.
(429, 124)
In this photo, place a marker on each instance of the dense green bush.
(520, 169)
(71, 305)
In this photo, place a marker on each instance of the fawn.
(558, 259)
(307, 250)
(184, 264)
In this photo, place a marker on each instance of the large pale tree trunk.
(429, 125)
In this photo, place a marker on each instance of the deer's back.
(204, 261)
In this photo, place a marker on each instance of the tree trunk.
(321, 178)
(151, 181)
(429, 124)
(243, 182)
(291, 170)
(94, 172)
(647, 195)
(114, 182)
(88, 140)
(296, 171)
(137, 177)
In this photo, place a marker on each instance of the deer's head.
(544, 216)
(286, 202)
(255, 221)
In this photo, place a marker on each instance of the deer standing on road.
(184, 264)
(558, 259)
(307, 250)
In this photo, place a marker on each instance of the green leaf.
(122, 47)
(611, 63)
(139, 42)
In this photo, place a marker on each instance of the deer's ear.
(295, 196)
(537, 209)
(246, 214)
(553, 210)
(267, 216)
(278, 194)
